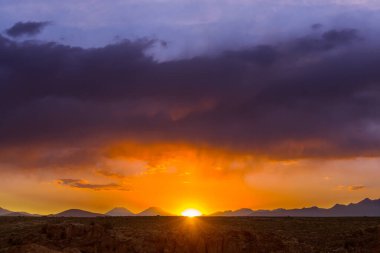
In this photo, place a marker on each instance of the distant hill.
(77, 213)
(239, 212)
(4, 211)
(21, 214)
(366, 207)
(119, 211)
(154, 211)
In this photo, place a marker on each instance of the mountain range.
(118, 211)
(366, 207)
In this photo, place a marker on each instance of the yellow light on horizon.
(191, 213)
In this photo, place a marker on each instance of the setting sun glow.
(191, 213)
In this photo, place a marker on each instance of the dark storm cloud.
(262, 54)
(79, 183)
(26, 28)
(316, 26)
(341, 36)
(311, 96)
(329, 40)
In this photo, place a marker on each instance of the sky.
(213, 105)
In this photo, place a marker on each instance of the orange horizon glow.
(177, 176)
(191, 212)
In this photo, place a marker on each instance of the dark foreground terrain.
(192, 235)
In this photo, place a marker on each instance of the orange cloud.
(356, 187)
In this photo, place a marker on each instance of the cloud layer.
(314, 95)
(83, 184)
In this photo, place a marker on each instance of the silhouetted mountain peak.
(4, 211)
(338, 206)
(21, 214)
(243, 212)
(119, 211)
(366, 201)
(77, 213)
(154, 211)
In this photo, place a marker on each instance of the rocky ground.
(192, 235)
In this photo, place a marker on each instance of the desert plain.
(190, 235)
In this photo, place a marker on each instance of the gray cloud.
(26, 28)
(79, 183)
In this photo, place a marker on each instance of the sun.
(191, 212)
